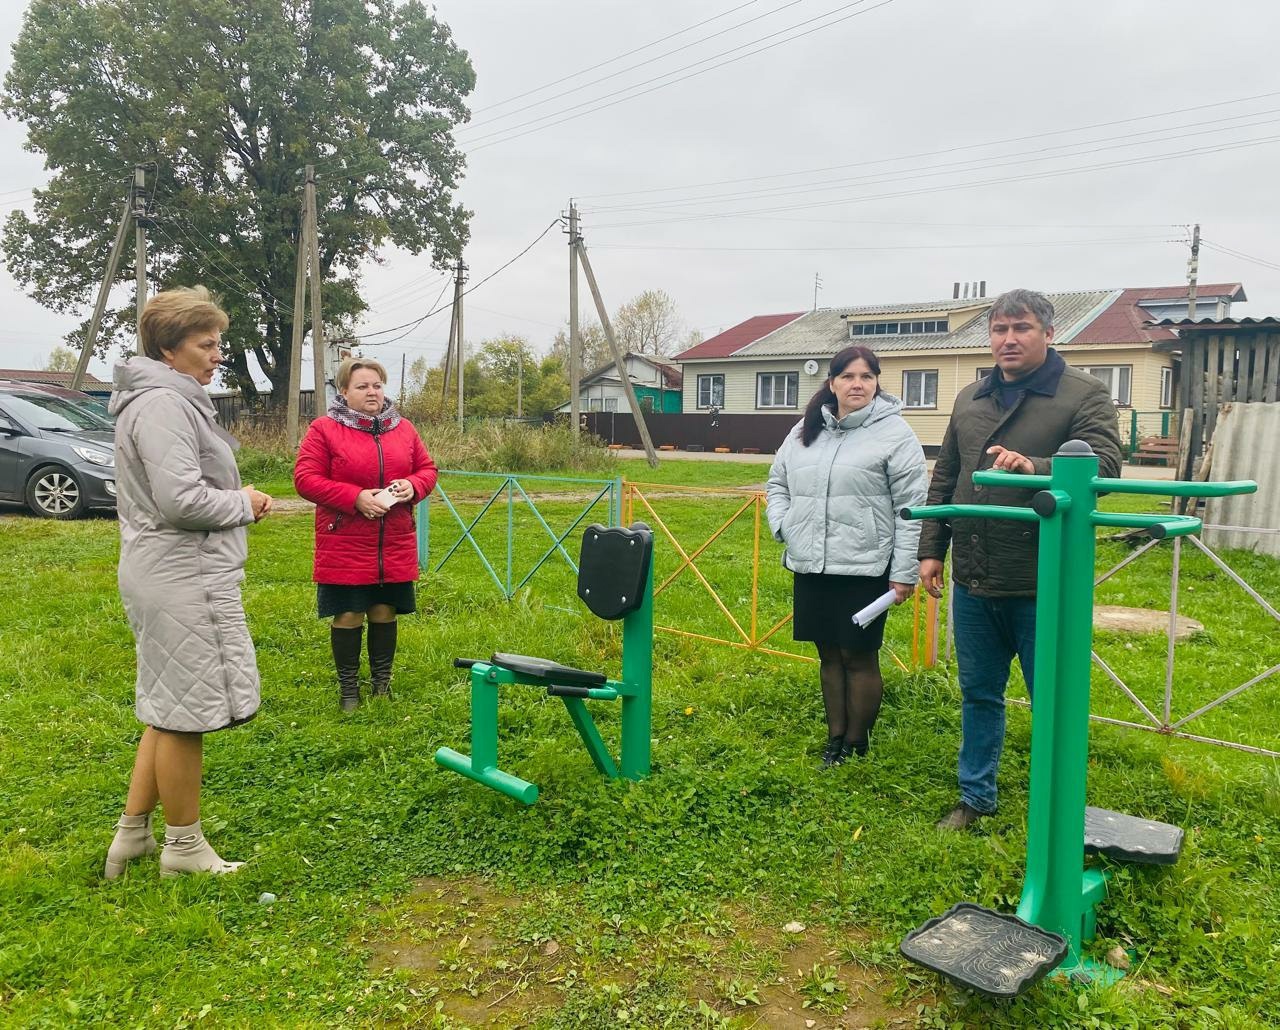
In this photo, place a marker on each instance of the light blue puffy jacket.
(835, 503)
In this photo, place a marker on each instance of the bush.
(515, 447)
(265, 454)
(495, 446)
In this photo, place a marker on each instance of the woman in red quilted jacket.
(365, 468)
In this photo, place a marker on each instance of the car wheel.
(55, 493)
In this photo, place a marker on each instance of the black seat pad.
(552, 671)
(613, 567)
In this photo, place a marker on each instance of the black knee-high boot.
(346, 659)
(382, 653)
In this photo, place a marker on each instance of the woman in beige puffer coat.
(182, 515)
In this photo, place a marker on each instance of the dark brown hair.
(813, 410)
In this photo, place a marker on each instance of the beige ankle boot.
(186, 851)
(133, 839)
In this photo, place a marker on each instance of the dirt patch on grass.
(493, 960)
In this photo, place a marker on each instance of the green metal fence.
(505, 550)
(1135, 426)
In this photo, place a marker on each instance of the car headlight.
(95, 457)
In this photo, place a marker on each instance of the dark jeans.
(989, 631)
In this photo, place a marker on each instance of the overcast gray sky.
(829, 137)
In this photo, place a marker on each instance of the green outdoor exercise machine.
(1000, 954)
(615, 581)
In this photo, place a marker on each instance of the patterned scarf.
(383, 422)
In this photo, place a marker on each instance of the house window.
(982, 374)
(711, 391)
(1166, 387)
(920, 389)
(918, 327)
(1116, 379)
(595, 404)
(611, 404)
(777, 389)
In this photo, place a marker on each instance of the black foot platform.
(998, 955)
(1130, 839)
(548, 670)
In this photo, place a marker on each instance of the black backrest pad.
(613, 567)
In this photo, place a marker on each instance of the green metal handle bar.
(1174, 489)
(995, 477)
(971, 511)
(1158, 526)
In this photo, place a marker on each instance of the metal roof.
(28, 375)
(825, 331)
(736, 337)
(951, 304)
(1217, 323)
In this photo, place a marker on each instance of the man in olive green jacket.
(1014, 420)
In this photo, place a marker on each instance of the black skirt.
(825, 605)
(334, 599)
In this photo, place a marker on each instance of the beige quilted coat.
(182, 552)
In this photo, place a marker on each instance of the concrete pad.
(1117, 618)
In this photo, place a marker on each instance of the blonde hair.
(350, 365)
(171, 316)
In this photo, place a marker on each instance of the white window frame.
(1120, 385)
(790, 389)
(982, 373)
(1166, 386)
(708, 379)
(611, 404)
(920, 384)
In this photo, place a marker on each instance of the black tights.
(852, 690)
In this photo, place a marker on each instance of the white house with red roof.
(930, 350)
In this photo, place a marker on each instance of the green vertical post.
(1133, 431)
(637, 674)
(511, 534)
(1164, 423)
(424, 531)
(1054, 895)
(484, 719)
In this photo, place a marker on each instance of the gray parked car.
(56, 456)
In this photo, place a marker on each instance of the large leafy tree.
(230, 99)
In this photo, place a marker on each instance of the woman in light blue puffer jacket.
(834, 491)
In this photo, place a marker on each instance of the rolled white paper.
(873, 611)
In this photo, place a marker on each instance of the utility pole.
(140, 222)
(401, 397)
(448, 351)
(1193, 272)
(519, 384)
(620, 359)
(104, 291)
(575, 345)
(461, 354)
(291, 427)
(817, 285)
(321, 402)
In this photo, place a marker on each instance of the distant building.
(930, 350)
(91, 385)
(657, 384)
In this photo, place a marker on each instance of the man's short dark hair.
(1022, 302)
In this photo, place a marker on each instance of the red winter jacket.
(336, 462)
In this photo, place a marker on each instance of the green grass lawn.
(409, 896)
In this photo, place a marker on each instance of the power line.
(1274, 266)
(1028, 177)
(569, 117)
(474, 286)
(1002, 244)
(634, 67)
(949, 150)
(978, 164)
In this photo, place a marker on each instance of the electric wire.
(504, 138)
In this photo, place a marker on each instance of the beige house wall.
(955, 369)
